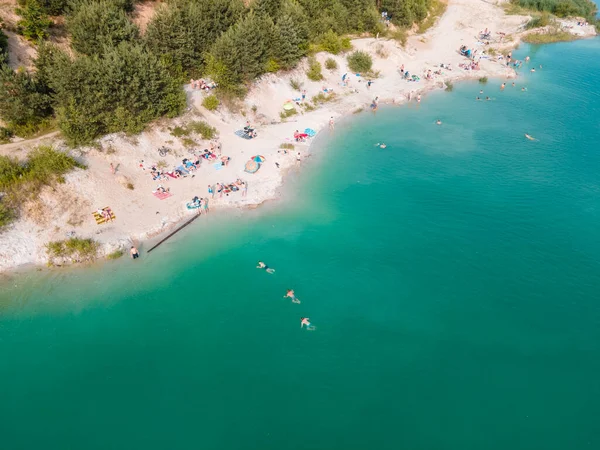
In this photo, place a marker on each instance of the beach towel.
(161, 195)
(183, 170)
(218, 166)
(241, 134)
(171, 174)
(310, 132)
(100, 218)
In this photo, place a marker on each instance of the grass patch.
(381, 51)
(331, 64)
(307, 107)
(75, 249)
(203, 129)
(295, 84)
(188, 142)
(554, 35)
(437, 9)
(21, 180)
(314, 69)
(322, 97)
(449, 86)
(180, 132)
(287, 113)
(211, 102)
(130, 186)
(483, 80)
(116, 254)
(539, 21)
(358, 110)
(400, 35)
(287, 146)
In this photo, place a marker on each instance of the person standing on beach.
(303, 95)
(112, 168)
(205, 205)
(418, 98)
(134, 252)
(211, 191)
(331, 123)
(245, 191)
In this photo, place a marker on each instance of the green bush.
(360, 62)
(561, 8)
(5, 135)
(287, 113)
(314, 69)
(331, 64)
(483, 80)
(3, 46)
(272, 66)
(180, 132)
(97, 24)
(539, 21)
(210, 102)
(34, 21)
(332, 43)
(449, 86)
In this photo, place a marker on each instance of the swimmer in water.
(477, 98)
(531, 138)
(262, 265)
(488, 99)
(381, 145)
(523, 89)
(533, 70)
(290, 294)
(513, 84)
(306, 321)
(502, 86)
(481, 91)
(438, 122)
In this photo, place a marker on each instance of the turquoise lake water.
(453, 277)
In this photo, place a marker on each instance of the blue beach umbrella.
(258, 158)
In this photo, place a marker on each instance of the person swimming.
(438, 122)
(290, 294)
(487, 98)
(262, 265)
(306, 321)
(531, 138)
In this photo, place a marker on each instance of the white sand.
(140, 215)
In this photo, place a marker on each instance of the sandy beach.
(66, 210)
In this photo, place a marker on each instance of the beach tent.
(344, 77)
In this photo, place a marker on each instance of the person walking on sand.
(303, 95)
(134, 252)
(112, 168)
(306, 321)
(290, 294)
(331, 123)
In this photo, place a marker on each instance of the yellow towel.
(100, 218)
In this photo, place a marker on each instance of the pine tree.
(97, 24)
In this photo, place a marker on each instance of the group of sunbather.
(300, 137)
(201, 84)
(220, 188)
(106, 214)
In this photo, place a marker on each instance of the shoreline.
(23, 243)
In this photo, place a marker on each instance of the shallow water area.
(453, 278)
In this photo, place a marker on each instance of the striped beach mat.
(100, 218)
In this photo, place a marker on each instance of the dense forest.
(116, 78)
(562, 8)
